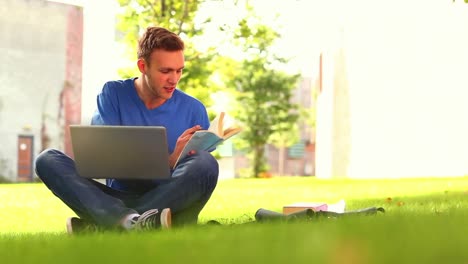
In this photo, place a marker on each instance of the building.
(48, 72)
(41, 81)
(394, 91)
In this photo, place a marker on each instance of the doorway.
(25, 158)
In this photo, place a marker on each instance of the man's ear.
(142, 65)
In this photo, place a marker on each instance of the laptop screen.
(120, 152)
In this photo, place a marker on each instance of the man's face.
(163, 72)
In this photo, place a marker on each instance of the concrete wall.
(54, 57)
(32, 74)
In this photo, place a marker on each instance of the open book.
(208, 139)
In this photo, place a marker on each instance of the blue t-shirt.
(119, 104)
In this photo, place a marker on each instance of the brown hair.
(158, 38)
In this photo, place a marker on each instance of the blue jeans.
(186, 193)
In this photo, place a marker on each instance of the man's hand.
(180, 144)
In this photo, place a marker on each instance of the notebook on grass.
(120, 152)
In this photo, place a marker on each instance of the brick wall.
(71, 93)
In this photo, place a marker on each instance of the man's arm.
(107, 112)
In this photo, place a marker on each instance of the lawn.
(425, 222)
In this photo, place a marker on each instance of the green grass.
(425, 222)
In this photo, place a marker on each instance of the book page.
(230, 128)
(216, 125)
(231, 131)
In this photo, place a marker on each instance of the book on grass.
(207, 140)
(338, 207)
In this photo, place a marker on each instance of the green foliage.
(263, 94)
(284, 135)
(265, 109)
(177, 16)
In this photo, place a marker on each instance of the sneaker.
(77, 225)
(153, 219)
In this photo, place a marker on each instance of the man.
(150, 100)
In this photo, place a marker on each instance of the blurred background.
(339, 89)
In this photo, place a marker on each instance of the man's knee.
(45, 160)
(209, 163)
(201, 168)
(208, 167)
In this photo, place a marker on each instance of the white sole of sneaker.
(166, 218)
(69, 226)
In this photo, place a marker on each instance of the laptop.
(120, 152)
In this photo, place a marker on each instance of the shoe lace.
(148, 219)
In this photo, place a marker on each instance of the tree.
(177, 16)
(263, 93)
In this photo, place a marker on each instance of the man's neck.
(150, 101)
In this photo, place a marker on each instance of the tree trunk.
(258, 161)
